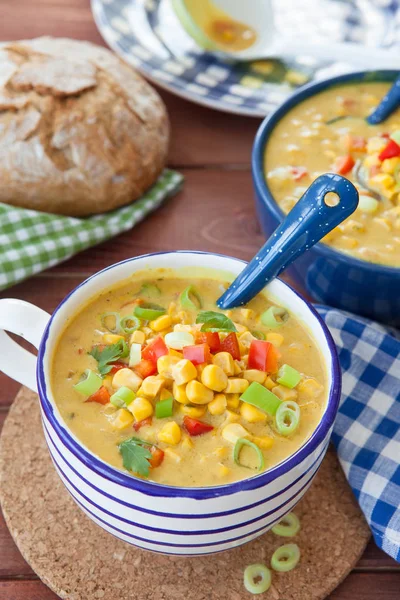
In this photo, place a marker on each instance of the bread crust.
(81, 132)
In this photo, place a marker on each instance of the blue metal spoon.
(387, 105)
(308, 221)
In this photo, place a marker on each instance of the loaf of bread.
(80, 131)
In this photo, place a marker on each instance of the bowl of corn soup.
(176, 426)
(322, 128)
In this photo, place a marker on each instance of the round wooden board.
(80, 561)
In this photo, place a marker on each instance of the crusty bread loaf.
(80, 131)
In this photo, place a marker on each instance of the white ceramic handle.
(29, 322)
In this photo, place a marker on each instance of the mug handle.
(29, 322)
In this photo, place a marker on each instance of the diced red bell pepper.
(343, 164)
(117, 366)
(263, 356)
(390, 150)
(142, 423)
(145, 368)
(298, 173)
(195, 427)
(198, 354)
(155, 349)
(157, 456)
(230, 344)
(211, 338)
(102, 396)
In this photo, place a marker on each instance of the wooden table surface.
(214, 212)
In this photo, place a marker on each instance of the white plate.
(147, 34)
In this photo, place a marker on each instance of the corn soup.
(153, 378)
(328, 133)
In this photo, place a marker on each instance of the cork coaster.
(80, 561)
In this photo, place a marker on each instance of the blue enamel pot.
(329, 276)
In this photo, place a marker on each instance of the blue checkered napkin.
(367, 429)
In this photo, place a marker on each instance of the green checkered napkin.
(31, 241)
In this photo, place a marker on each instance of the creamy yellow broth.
(219, 27)
(207, 459)
(304, 145)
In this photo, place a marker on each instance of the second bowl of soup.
(323, 128)
(176, 426)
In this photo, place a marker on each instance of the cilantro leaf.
(135, 455)
(215, 321)
(109, 354)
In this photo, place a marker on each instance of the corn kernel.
(173, 455)
(284, 393)
(254, 375)
(348, 243)
(179, 393)
(151, 386)
(372, 160)
(382, 179)
(141, 408)
(171, 309)
(187, 443)
(184, 318)
(234, 431)
(269, 383)
(247, 313)
(165, 394)
(238, 367)
(231, 417)
(161, 323)
(183, 371)
(111, 338)
(222, 470)
(193, 411)
(107, 382)
(310, 387)
(165, 365)
(198, 393)
(221, 451)
(225, 361)
(218, 405)
(170, 433)
(233, 401)
(252, 414)
(390, 165)
(121, 419)
(126, 378)
(214, 378)
(137, 337)
(276, 339)
(263, 442)
(375, 144)
(246, 338)
(200, 369)
(175, 353)
(236, 386)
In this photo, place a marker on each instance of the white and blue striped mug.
(165, 519)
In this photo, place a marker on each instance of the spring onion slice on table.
(288, 526)
(285, 558)
(89, 384)
(257, 579)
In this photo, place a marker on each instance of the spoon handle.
(387, 105)
(308, 221)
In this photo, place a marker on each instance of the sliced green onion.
(288, 526)
(285, 558)
(258, 395)
(106, 317)
(245, 442)
(149, 289)
(149, 312)
(122, 397)
(259, 335)
(164, 408)
(129, 324)
(395, 136)
(257, 578)
(287, 417)
(187, 302)
(135, 354)
(178, 339)
(269, 317)
(367, 204)
(288, 376)
(90, 384)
